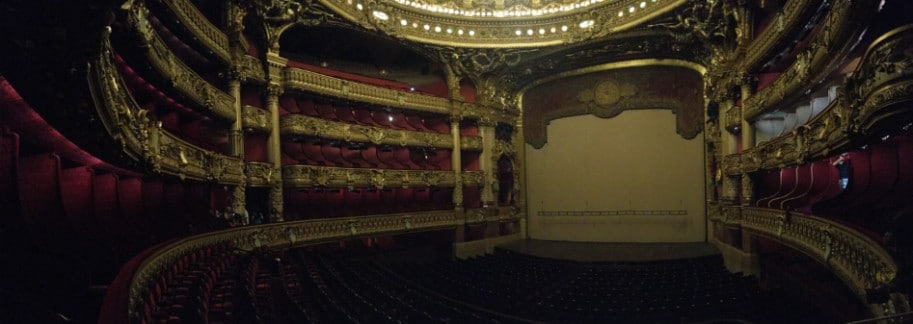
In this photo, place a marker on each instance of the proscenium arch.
(607, 97)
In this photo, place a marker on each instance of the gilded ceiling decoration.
(500, 23)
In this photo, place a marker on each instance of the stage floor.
(608, 252)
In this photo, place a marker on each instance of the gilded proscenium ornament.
(308, 81)
(817, 60)
(210, 36)
(276, 16)
(465, 24)
(144, 139)
(276, 236)
(297, 124)
(856, 259)
(335, 177)
(213, 101)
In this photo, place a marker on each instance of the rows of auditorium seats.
(310, 203)
(221, 285)
(356, 115)
(571, 292)
(197, 288)
(322, 152)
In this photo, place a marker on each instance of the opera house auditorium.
(456, 161)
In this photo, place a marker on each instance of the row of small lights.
(380, 15)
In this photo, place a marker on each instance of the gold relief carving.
(308, 81)
(606, 92)
(764, 43)
(305, 125)
(203, 30)
(813, 62)
(333, 177)
(856, 259)
(183, 78)
(252, 68)
(473, 178)
(275, 203)
(255, 119)
(259, 173)
(732, 164)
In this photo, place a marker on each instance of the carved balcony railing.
(255, 119)
(860, 262)
(844, 22)
(252, 69)
(885, 78)
(334, 177)
(769, 40)
(260, 174)
(184, 79)
(731, 164)
(300, 79)
(276, 236)
(210, 36)
(143, 139)
(312, 126)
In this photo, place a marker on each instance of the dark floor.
(607, 252)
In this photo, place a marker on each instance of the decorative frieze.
(303, 80)
(829, 45)
(333, 177)
(255, 119)
(184, 79)
(297, 124)
(855, 258)
(203, 30)
(143, 138)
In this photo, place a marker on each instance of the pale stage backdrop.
(629, 178)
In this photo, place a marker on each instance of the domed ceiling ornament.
(499, 23)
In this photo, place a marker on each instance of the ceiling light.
(587, 23)
(359, 6)
(380, 15)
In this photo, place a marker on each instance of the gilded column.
(274, 148)
(457, 161)
(486, 161)
(747, 142)
(236, 133)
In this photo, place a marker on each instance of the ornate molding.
(297, 124)
(203, 30)
(278, 236)
(733, 117)
(838, 33)
(255, 119)
(251, 68)
(303, 80)
(884, 77)
(260, 174)
(860, 262)
(333, 177)
(787, 20)
(143, 139)
(169, 66)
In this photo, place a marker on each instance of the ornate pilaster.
(236, 134)
(457, 162)
(239, 198)
(747, 189)
(487, 161)
(275, 88)
(275, 202)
